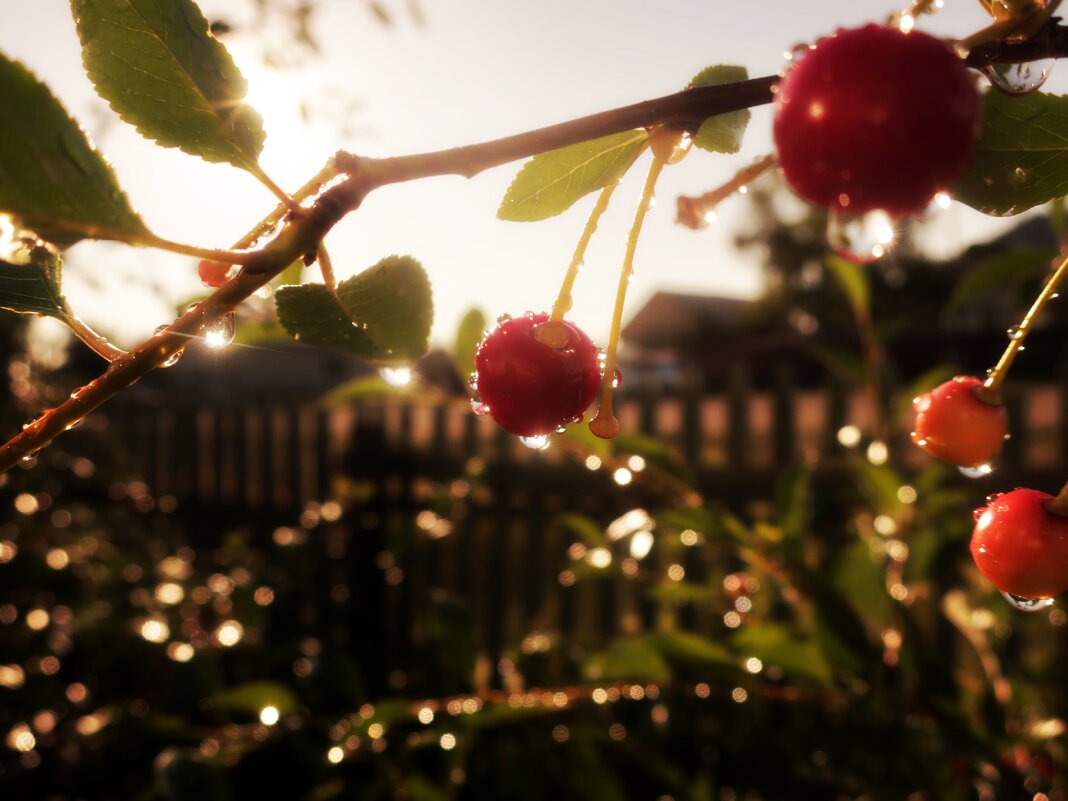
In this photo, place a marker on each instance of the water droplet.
(561, 429)
(617, 379)
(797, 52)
(1027, 604)
(503, 319)
(977, 513)
(159, 329)
(396, 376)
(861, 238)
(221, 332)
(537, 442)
(1013, 332)
(1019, 79)
(978, 471)
(478, 407)
(993, 496)
(173, 359)
(32, 420)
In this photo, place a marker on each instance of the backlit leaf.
(33, 286)
(722, 133)
(551, 182)
(51, 177)
(164, 73)
(1021, 159)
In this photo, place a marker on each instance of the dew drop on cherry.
(479, 408)
(536, 443)
(979, 471)
(1019, 79)
(861, 238)
(1027, 604)
(977, 513)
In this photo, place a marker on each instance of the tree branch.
(685, 110)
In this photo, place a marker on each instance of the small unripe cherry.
(532, 388)
(955, 424)
(876, 118)
(1021, 546)
(213, 273)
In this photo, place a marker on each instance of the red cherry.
(529, 387)
(874, 118)
(952, 424)
(1021, 546)
(213, 273)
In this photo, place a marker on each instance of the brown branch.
(685, 110)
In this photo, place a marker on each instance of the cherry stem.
(276, 190)
(604, 410)
(1059, 505)
(563, 300)
(96, 342)
(326, 266)
(989, 391)
(693, 211)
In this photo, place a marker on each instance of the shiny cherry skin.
(953, 425)
(874, 118)
(531, 388)
(213, 273)
(1020, 546)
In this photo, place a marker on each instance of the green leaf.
(51, 177)
(250, 698)
(774, 645)
(34, 286)
(996, 271)
(165, 74)
(628, 659)
(311, 314)
(693, 650)
(1021, 159)
(392, 301)
(382, 314)
(853, 281)
(551, 182)
(722, 133)
(468, 336)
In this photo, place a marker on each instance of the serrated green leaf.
(165, 74)
(468, 336)
(392, 302)
(853, 281)
(311, 314)
(34, 286)
(551, 182)
(1021, 158)
(998, 270)
(51, 177)
(722, 133)
(382, 314)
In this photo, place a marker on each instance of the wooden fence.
(262, 466)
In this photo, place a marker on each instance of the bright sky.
(477, 70)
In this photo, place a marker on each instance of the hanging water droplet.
(1027, 604)
(561, 429)
(537, 442)
(1013, 332)
(861, 238)
(265, 292)
(976, 472)
(1019, 79)
(173, 359)
(221, 332)
(478, 407)
(617, 378)
(396, 376)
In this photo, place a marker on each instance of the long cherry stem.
(1016, 340)
(563, 300)
(604, 424)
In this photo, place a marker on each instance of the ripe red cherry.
(874, 118)
(1021, 546)
(953, 425)
(213, 273)
(529, 387)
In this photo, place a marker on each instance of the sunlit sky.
(475, 70)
